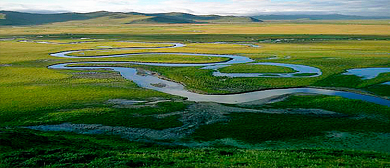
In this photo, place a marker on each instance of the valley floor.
(75, 116)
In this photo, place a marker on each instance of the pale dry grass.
(258, 28)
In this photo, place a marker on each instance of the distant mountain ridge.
(318, 17)
(11, 18)
(19, 18)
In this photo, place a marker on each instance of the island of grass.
(249, 68)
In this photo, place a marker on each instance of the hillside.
(19, 18)
(10, 18)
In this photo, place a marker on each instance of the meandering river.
(153, 82)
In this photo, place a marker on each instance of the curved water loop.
(153, 82)
(234, 59)
(367, 73)
(301, 71)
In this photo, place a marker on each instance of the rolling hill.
(10, 18)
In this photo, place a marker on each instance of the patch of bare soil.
(272, 99)
(142, 72)
(160, 85)
(124, 103)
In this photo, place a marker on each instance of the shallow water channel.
(367, 73)
(151, 81)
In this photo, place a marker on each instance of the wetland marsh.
(137, 97)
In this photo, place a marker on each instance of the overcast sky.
(221, 7)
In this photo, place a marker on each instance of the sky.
(220, 7)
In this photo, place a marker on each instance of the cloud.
(222, 7)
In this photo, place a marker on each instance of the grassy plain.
(31, 94)
(257, 28)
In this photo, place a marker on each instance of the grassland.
(32, 94)
(258, 28)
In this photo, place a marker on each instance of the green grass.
(26, 148)
(36, 92)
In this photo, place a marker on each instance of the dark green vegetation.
(383, 90)
(354, 116)
(19, 18)
(26, 148)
